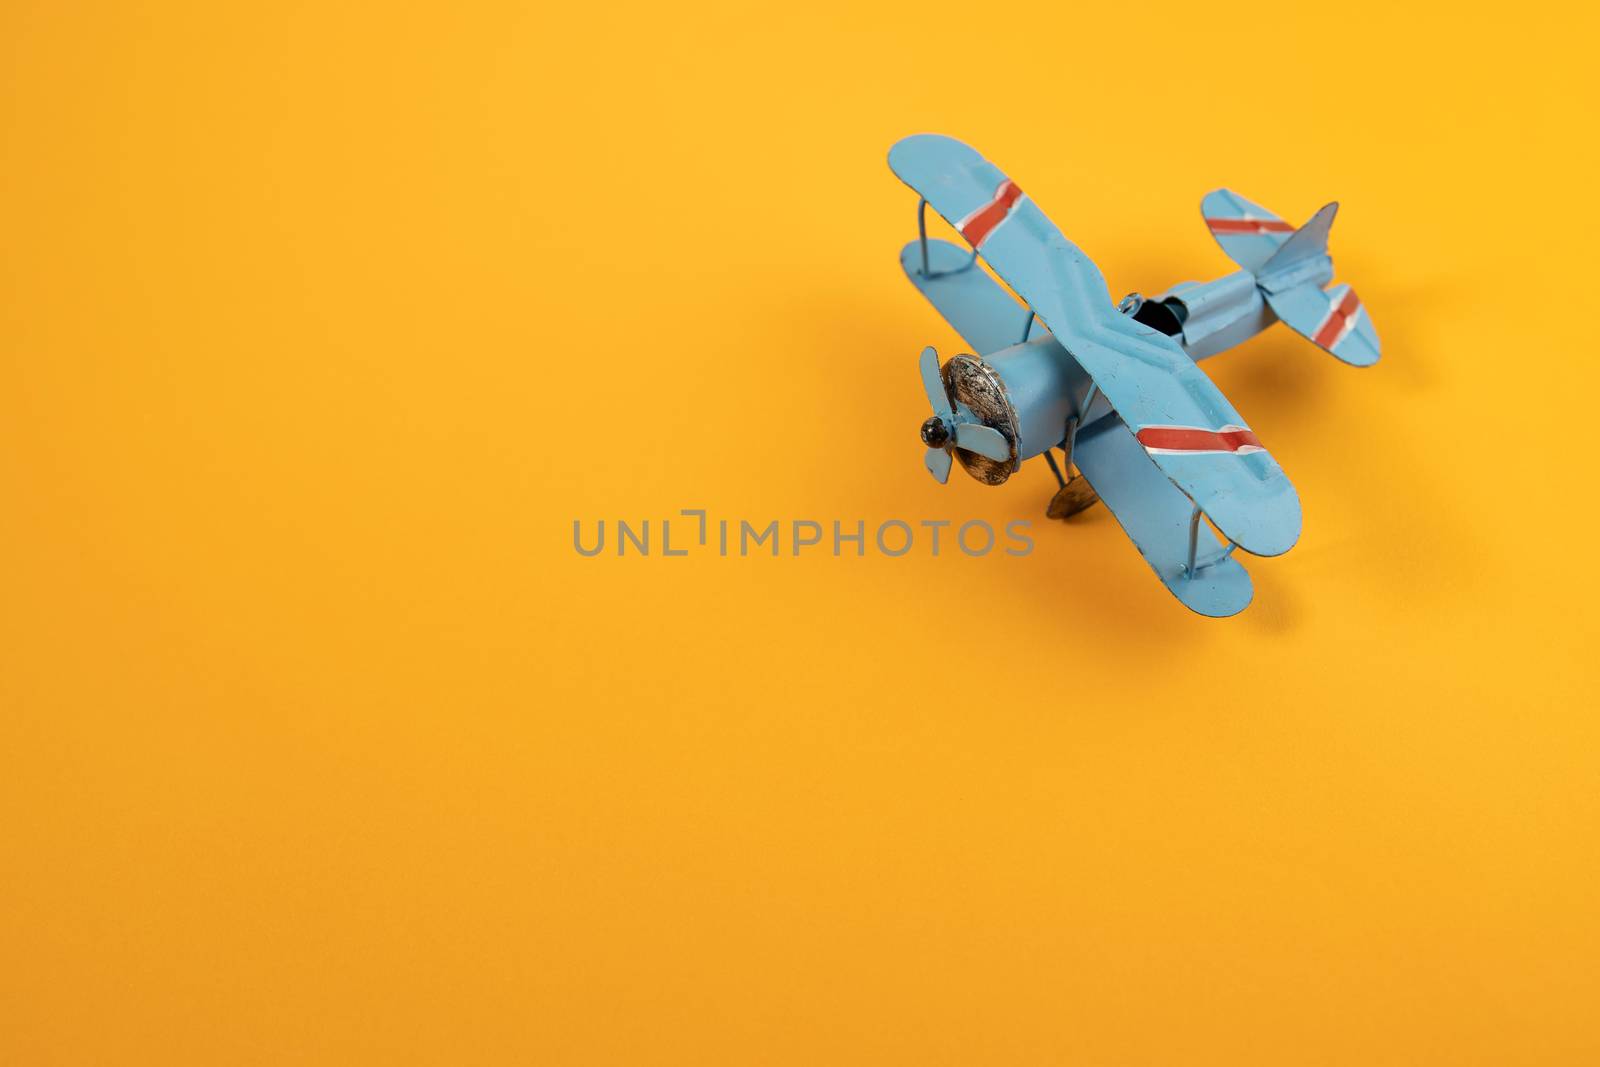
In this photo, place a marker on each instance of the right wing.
(1185, 425)
(1248, 233)
(1155, 515)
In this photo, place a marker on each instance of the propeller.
(942, 432)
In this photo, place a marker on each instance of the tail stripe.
(1338, 323)
(1248, 225)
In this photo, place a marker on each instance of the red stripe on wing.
(1248, 226)
(1341, 317)
(1194, 439)
(977, 226)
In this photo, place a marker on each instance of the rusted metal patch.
(1075, 496)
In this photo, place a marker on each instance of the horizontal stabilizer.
(1333, 319)
(1247, 232)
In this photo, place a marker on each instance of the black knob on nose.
(934, 433)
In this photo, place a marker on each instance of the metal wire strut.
(1194, 540)
(922, 233)
(1088, 400)
(922, 237)
(1070, 441)
(1191, 570)
(1075, 423)
(1061, 483)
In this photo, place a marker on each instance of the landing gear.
(1073, 496)
(1073, 492)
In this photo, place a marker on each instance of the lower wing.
(1156, 516)
(984, 314)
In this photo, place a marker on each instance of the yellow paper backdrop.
(319, 743)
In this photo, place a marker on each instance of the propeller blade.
(933, 385)
(984, 440)
(937, 460)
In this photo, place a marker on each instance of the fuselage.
(1045, 387)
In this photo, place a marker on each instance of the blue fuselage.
(1047, 387)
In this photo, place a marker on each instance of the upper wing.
(1186, 426)
(1334, 320)
(1247, 232)
(1155, 516)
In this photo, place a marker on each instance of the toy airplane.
(1115, 386)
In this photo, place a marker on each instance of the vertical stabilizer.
(1308, 242)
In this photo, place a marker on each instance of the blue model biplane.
(1115, 385)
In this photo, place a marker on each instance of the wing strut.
(922, 237)
(1189, 570)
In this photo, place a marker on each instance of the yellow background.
(321, 744)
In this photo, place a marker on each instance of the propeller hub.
(934, 433)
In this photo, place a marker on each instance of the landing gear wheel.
(1071, 498)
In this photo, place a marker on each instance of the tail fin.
(1291, 266)
(1308, 241)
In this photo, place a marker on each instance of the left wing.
(1186, 426)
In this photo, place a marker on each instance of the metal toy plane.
(1115, 386)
